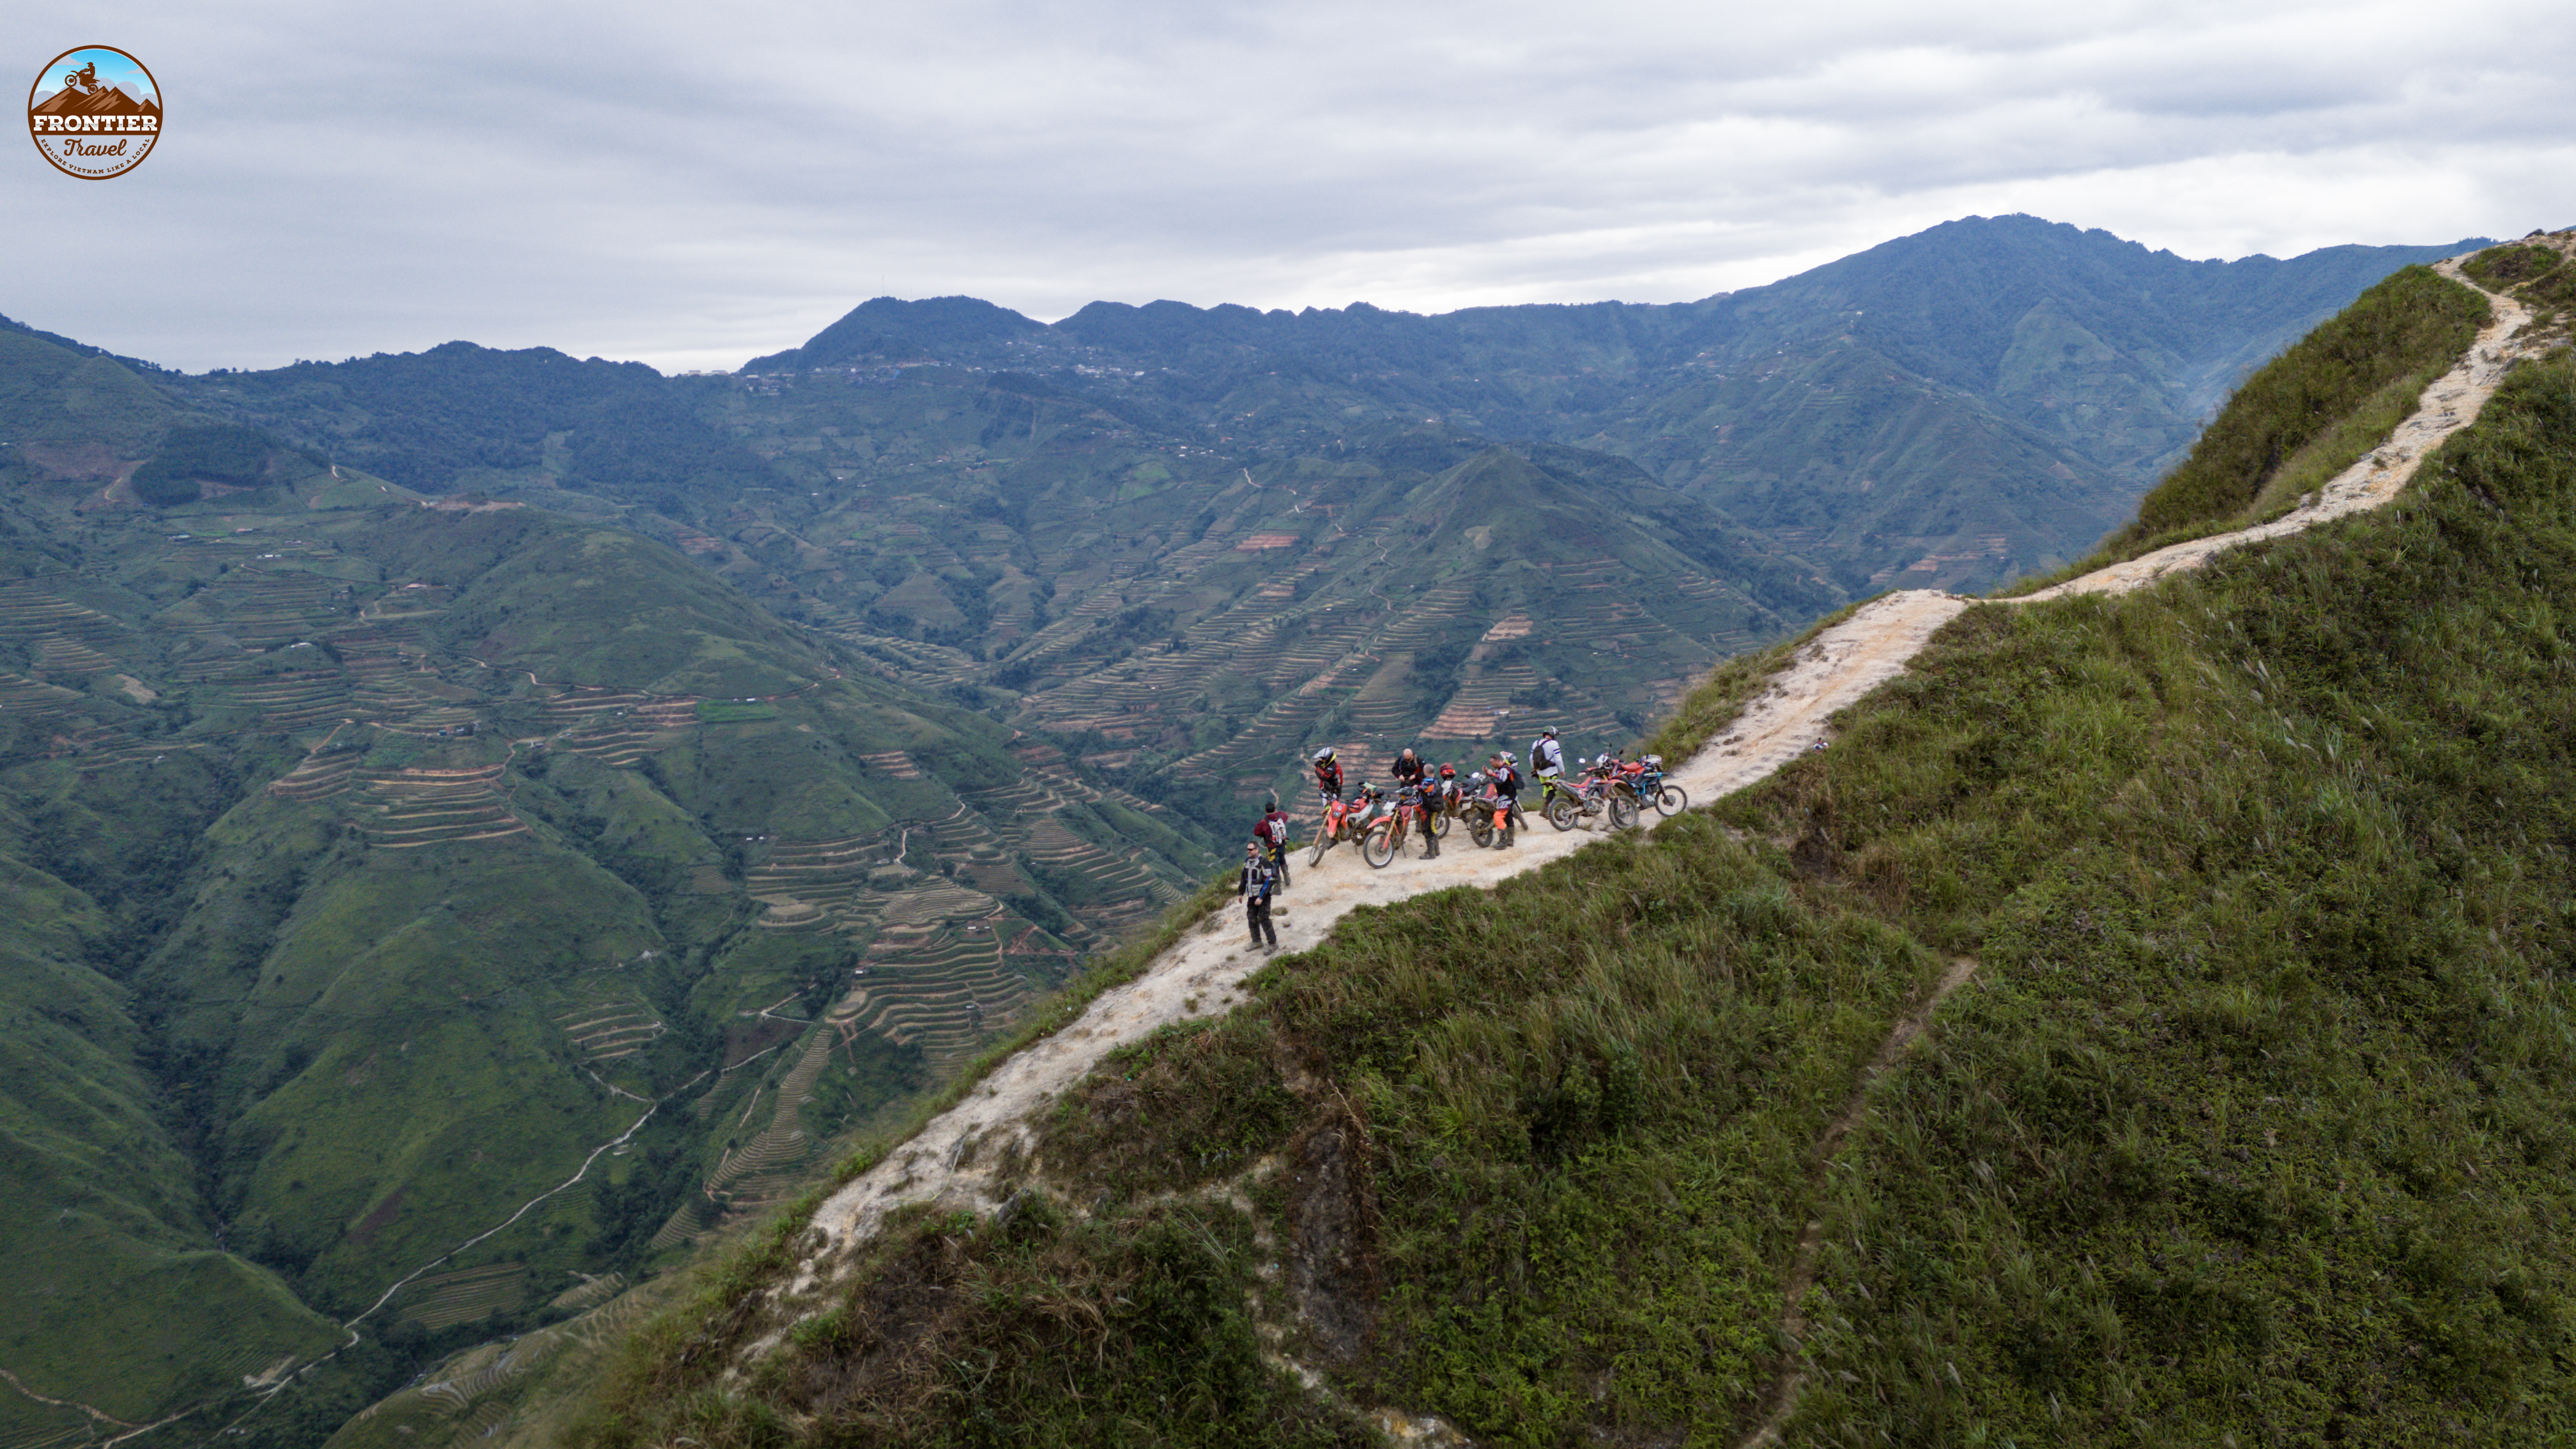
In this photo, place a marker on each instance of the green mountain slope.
(429, 919)
(1053, 522)
(2248, 1126)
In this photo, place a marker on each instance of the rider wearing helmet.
(1547, 757)
(1507, 788)
(1328, 774)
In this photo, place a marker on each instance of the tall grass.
(2259, 1128)
(2255, 1127)
(2303, 417)
(2255, 1124)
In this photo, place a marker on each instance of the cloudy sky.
(690, 185)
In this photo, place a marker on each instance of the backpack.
(1275, 830)
(1537, 761)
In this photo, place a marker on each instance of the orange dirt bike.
(1341, 821)
(1408, 816)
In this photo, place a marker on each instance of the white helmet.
(1323, 754)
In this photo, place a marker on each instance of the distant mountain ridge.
(2071, 365)
(1086, 527)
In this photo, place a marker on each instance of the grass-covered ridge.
(2259, 1124)
(2253, 1124)
(2305, 416)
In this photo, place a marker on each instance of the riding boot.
(1505, 842)
(1430, 847)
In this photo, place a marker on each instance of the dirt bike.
(1378, 847)
(1597, 795)
(1551, 789)
(1446, 804)
(1484, 816)
(1341, 819)
(1669, 798)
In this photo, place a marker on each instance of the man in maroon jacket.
(1272, 835)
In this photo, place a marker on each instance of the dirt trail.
(1783, 1395)
(953, 1159)
(2451, 402)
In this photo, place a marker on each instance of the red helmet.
(1448, 772)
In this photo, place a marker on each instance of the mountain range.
(1060, 523)
(476, 824)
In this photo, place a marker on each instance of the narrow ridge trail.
(951, 1162)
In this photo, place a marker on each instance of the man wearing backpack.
(1272, 834)
(1547, 757)
(1256, 885)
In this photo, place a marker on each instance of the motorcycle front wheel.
(1480, 829)
(1623, 811)
(1561, 811)
(1323, 842)
(1379, 847)
(1440, 826)
(1672, 800)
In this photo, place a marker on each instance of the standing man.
(1272, 835)
(1546, 762)
(1258, 881)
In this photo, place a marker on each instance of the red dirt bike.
(1408, 816)
(1341, 821)
(1601, 789)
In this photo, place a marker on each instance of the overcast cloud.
(688, 187)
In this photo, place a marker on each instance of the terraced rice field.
(475, 1389)
(942, 987)
(763, 1170)
(52, 628)
(609, 1030)
(446, 1299)
(417, 807)
(51, 1431)
(302, 700)
(589, 1293)
(33, 699)
(818, 884)
(263, 610)
(317, 777)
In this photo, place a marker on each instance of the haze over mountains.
(424, 778)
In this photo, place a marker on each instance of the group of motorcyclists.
(1421, 795)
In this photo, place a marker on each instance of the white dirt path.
(952, 1161)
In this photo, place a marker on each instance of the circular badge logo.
(95, 112)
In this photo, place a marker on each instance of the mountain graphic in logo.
(102, 117)
(105, 101)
